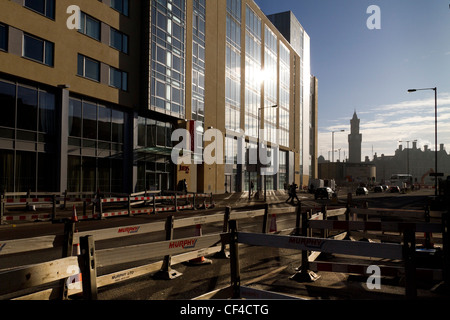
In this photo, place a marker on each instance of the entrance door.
(163, 181)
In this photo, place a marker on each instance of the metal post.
(266, 215)
(409, 251)
(129, 206)
(226, 218)
(176, 203)
(325, 232)
(154, 203)
(298, 212)
(65, 199)
(89, 268)
(427, 234)
(100, 207)
(234, 260)
(2, 207)
(53, 208)
(304, 274)
(193, 201)
(446, 249)
(166, 272)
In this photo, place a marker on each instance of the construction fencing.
(78, 274)
(99, 206)
(17, 283)
(301, 240)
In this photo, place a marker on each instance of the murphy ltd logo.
(308, 242)
(185, 244)
(128, 230)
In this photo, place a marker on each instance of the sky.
(370, 70)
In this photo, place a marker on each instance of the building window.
(3, 37)
(38, 49)
(121, 6)
(44, 7)
(8, 104)
(118, 40)
(90, 26)
(118, 79)
(88, 68)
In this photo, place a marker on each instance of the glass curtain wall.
(98, 131)
(252, 72)
(270, 86)
(30, 162)
(198, 69)
(233, 66)
(284, 100)
(168, 52)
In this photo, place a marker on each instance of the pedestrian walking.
(293, 193)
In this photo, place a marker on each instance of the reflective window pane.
(74, 118)
(33, 48)
(7, 104)
(89, 120)
(27, 105)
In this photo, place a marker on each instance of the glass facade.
(29, 163)
(100, 129)
(253, 64)
(233, 66)
(198, 68)
(270, 85)
(168, 57)
(284, 92)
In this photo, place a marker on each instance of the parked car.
(394, 189)
(361, 191)
(324, 192)
(378, 189)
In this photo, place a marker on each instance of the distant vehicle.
(401, 180)
(378, 189)
(315, 184)
(324, 192)
(362, 191)
(394, 189)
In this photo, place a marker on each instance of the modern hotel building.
(94, 108)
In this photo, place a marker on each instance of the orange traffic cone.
(200, 260)
(273, 224)
(74, 214)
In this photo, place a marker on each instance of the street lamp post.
(435, 137)
(332, 143)
(259, 163)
